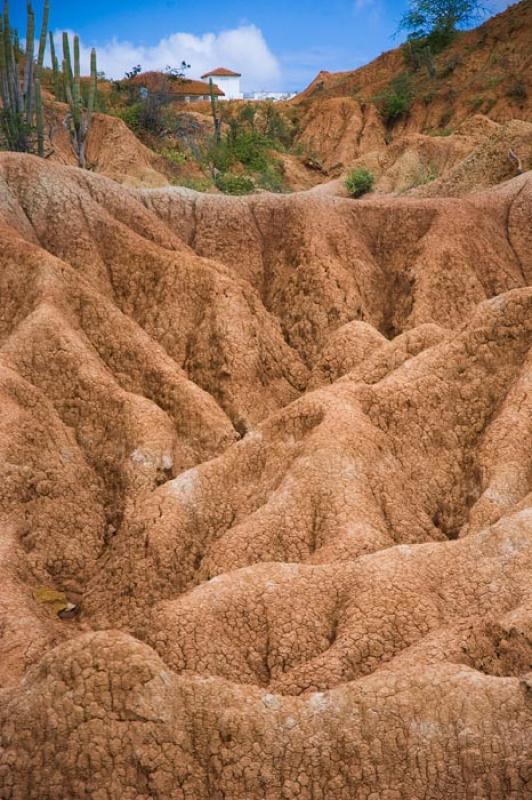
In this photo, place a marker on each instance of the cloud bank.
(243, 49)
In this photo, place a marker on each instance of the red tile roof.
(222, 72)
(159, 82)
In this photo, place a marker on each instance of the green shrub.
(220, 156)
(517, 91)
(439, 39)
(198, 184)
(174, 156)
(418, 49)
(249, 148)
(247, 114)
(234, 184)
(131, 115)
(272, 179)
(359, 182)
(395, 102)
(278, 131)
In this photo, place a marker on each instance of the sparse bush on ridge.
(359, 182)
(395, 102)
(197, 184)
(517, 91)
(234, 184)
(174, 156)
(131, 115)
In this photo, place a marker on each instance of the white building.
(265, 95)
(227, 80)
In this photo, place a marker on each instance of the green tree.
(439, 20)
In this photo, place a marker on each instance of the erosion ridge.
(278, 450)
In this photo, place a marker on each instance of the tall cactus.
(28, 62)
(216, 118)
(39, 118)
(21, 95)
(42, 37)
(56, 72)
(78, 121)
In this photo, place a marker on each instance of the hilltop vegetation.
(485, 70)
(235, 145)
(431, 85)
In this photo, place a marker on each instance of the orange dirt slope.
(486, 71)
(277, 452)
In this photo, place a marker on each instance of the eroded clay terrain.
(278, 450)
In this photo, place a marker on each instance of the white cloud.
(360, 5)
(243, 49)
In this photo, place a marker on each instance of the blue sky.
(276, 45)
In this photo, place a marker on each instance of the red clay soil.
(481, 153)
(487, 71)
(278, 450)
(112, 149)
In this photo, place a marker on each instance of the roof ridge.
(222, 72)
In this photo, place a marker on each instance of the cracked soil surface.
(278, 450)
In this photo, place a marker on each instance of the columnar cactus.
(216, 118)
(39, 118)
(78, 120)
(21, 96)
(56, 72)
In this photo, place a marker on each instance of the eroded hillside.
(486, 70)
(277, 452)
(473, 105)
